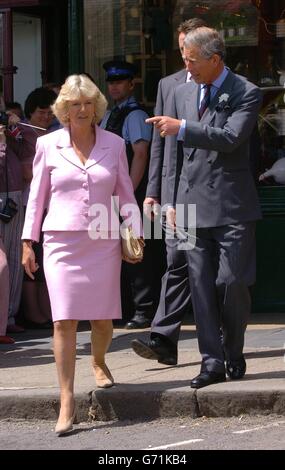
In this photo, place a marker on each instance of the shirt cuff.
(181, 133)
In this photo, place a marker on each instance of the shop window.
(272, 134)
(271, 79)
(138, 31)
(144, 32)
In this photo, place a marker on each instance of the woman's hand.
(29, 260)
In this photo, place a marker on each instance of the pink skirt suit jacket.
(82, 269)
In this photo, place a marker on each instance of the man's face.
(202, 70)
(120, 90)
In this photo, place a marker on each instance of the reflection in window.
(272, 132)
(144, 32)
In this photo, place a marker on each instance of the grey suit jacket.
(160, 183)
(216, 172)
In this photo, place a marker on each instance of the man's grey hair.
(208, 41)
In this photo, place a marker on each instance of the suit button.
(85, 200)
(85, 185)
(190, 185)
(83, 172)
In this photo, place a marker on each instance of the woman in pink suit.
(74, 168)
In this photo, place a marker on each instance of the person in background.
(35, 304)
(12, 216)
(127, 119)
(11, 224)
(75, 168)
(4, 269)
(4, 296)
(55, 87)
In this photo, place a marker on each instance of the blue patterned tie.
(205, 101)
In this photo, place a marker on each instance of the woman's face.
(42, 117)
(81, 112)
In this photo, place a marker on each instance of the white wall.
(26, 55)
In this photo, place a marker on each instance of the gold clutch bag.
(132, 247)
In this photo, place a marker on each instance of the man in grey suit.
(214, 123)
(175, 292)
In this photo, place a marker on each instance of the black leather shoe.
(136, 323)
(156, 350)
(236, 369)
(207, 378)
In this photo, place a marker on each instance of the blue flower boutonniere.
(223, 102)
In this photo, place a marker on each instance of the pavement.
(144, 389)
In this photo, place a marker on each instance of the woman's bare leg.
(101, 337)
(65, 356)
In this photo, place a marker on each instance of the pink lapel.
(99, 150)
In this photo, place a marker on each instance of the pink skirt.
(83, 276)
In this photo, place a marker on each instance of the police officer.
(127, 119)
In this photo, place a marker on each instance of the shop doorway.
(27, 54)
(33, 45)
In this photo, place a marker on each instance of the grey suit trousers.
(175, 298)
(221, 267)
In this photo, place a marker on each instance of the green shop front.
(91, 32)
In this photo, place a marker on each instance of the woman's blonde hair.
(73, 88)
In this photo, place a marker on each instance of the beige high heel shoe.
(63, 428)
(104, 382)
